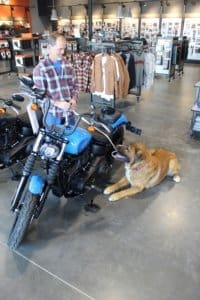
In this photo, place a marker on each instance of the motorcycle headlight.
(49, 151)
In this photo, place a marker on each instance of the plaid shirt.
(61, 87)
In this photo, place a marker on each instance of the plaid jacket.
(61, 87)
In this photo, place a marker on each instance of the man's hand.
(71, 105)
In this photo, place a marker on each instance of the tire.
(22, 220)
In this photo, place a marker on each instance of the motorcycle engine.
(70, 172)
(9, 132)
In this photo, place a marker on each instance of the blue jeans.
(52, 120)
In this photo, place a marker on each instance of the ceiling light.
(120, 11)
(54, 16)
(129, 13)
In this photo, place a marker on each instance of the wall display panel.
(97, 24)
(78, 27)
(150, 30)
(64, 25)
(192, 31)
(110, 28)
(97, 32)
(171, 27)
(130, 27)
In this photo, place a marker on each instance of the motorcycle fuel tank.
(78, 141)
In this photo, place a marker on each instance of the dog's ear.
(140, 151)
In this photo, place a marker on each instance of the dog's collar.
(139, 166)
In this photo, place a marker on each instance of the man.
(56, 77)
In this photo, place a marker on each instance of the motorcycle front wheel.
(22, 220)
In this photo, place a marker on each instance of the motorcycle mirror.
(26, 80)
(18, 97)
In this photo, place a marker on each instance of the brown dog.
(144, 169)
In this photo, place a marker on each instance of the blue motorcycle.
(71, 159)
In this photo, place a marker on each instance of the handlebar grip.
(15, 106)
(133, 129)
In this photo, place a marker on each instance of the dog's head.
(133, 152)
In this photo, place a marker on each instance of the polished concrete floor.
(146, 247)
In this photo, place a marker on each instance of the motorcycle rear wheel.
(22, 220)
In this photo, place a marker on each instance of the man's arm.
(39, 78)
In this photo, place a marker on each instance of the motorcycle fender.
(36, 184)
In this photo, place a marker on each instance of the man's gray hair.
(53, 38)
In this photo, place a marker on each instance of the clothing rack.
(133, 46)
(100, 47)
(110, 47)
(104, 47)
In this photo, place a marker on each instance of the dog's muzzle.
(118, 155)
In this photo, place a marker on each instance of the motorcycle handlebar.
(133, 129)
(10, 104)
(93, 122)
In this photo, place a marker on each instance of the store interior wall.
(152, 9)
(39, 23)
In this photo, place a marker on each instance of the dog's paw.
(107, 191)
(177, 178)
(113, 197)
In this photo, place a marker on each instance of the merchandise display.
(171, 27)
(170, 56)
(150, 30)
(163, 55)
(192, 31)
(195, 122)
(5, 56)
(26, 51)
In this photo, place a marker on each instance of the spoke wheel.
(22, 220)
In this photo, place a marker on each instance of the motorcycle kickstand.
(91, 206)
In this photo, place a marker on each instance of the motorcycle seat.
(109, 115)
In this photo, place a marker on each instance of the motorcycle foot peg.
(92, 207)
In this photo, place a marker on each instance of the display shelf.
(163, 55)
(192, 31)
(195, 122)
(5, 56)
(26, 51)
(169, 58)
